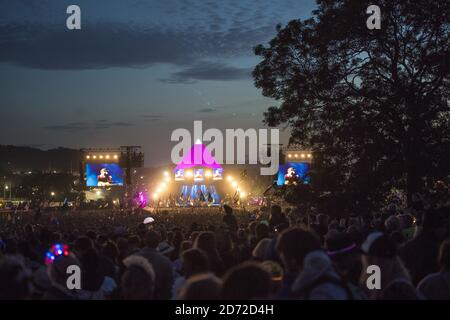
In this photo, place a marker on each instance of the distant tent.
(198, 156)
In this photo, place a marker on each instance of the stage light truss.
(298, 156)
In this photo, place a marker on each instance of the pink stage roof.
(198, 156)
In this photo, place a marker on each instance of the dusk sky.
(136, 71)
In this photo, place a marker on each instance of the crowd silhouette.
(221, 253)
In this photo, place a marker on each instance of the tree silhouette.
(373, 104)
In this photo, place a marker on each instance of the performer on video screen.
(291, 176)
(217, 174)
(104, 178)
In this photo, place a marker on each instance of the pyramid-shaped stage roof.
(198, 156)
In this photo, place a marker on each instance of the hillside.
(16, 158)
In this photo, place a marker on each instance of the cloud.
(122, 124)
(152, 117)
(106, 46)
(209, 71)
(86, 126)
(102, 46)
(66, 128)
(207, 110)
(33, 33)
(116, 45)
(177, 80)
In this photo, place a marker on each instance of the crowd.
(222, 254)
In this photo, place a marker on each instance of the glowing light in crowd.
(56, 251)
(230, 178)
(141, 199)
(309, 155)
(155, 195)
(148, 220)
(302, 155)
(167, 179)
(208, 173)
(107, 156)
(166, 174)
(101, 157)
(242, 194)
(52, 194)
(116, 156)
(189, 173)
(98, 193)
(234, 184)
(88, 157)
(95, 157)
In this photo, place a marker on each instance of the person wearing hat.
(380, 250)
(165, 248)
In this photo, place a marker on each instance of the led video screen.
(218, 174)
(104, 175)
(292, 173)
(179, 175)
(198, 175)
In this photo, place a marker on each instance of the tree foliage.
(372, 104)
